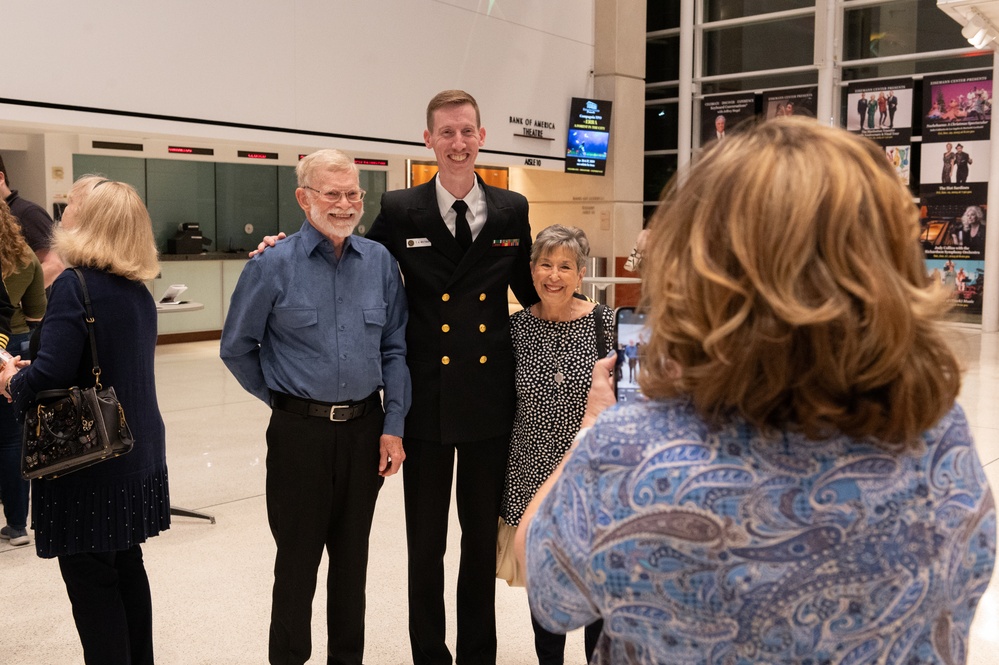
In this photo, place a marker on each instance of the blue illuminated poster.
(589, 136)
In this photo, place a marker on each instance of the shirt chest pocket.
(297, 331)
(374, 321)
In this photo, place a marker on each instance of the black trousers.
(550, 647)
(427, 476)
(112, 607)
(322, 483)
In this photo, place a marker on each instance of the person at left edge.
(25, 283)
(5, 311)
(36, 225)
(95, 520)
(316, 328)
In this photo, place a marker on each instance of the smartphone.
(630, 335)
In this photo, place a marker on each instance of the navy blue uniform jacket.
(459, 351)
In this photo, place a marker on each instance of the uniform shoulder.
(367, 245)
(403, 196)
(507, 195)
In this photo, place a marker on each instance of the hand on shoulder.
(268, 241)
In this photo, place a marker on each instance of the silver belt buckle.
(333, 417)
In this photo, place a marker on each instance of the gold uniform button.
(482, 296)
(482, 327)
(482, 360)
(445, 360)
(446, 297)
(446, 327)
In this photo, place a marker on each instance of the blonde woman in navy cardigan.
(93, 521)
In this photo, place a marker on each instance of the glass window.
(768, 45)
(290, 215)
(661, 126)
(123, 169)
(719, 10)
(647, 212)
(660, 92)
(662, 59)
(915, 162)
(245, 195)
(662, 15)
(760, 82)
(898, 28)
(658, 170)
(892, 69)
(374, 183)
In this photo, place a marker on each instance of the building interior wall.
(271, 78)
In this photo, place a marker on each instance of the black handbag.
(72, 428)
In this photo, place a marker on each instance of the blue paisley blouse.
(732, 546)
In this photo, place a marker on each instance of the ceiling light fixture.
(978, 30)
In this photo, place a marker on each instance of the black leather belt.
(338, 413)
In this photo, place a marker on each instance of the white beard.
(339, 229)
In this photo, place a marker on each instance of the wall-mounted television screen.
(588, 137)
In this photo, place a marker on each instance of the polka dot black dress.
(554, 369)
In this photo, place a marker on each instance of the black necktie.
(462, 232)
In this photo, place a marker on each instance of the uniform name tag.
(509, 242)
(418, 242)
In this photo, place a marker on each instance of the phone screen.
(630, 337)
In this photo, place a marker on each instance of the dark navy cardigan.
(116, 503)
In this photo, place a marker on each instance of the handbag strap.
(90, 328)
(601, 337)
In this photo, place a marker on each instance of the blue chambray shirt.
(303, 323)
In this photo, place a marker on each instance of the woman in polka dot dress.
(555, 344)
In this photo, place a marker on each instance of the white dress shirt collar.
(476, 201)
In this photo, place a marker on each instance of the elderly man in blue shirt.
(317, 328)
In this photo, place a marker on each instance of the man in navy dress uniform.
(460, 244)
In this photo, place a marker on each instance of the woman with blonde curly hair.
(94, 520)
(25, 284)
(20, 269)
(800, 485)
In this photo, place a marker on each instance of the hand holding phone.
(601, 393)
(630, 335)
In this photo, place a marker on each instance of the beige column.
(608, 208)
(619, 75)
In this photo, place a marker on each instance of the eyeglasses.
(333, 196)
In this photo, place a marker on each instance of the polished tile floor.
(211, 582)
